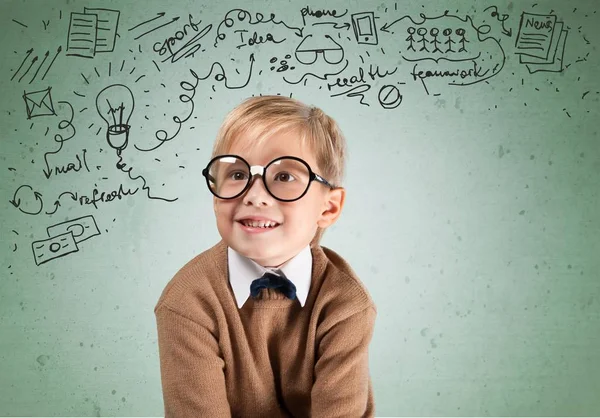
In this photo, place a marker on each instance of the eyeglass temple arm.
(322, 180)
(208, 176)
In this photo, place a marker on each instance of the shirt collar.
(242, 271)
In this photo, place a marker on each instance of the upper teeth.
(260, 224)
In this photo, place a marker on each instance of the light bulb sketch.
(115, 105)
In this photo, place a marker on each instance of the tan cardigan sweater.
(272, 357)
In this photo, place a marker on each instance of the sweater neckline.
(319, 261)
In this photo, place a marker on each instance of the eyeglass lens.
(285, 178)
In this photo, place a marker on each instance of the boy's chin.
(263, 257)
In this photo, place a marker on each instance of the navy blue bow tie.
(273, 281)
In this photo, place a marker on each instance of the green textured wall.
(473, 189)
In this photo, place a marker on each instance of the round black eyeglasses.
(286, 178)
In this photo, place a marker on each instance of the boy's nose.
(256, 190)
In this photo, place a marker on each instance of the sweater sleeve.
(342, 386)
(192, 376)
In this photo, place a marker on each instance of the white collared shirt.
(243, 271)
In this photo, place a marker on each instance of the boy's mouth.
(258, 224)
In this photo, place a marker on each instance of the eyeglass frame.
(259, 170)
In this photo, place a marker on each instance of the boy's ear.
(334, 202)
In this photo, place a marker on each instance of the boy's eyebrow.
(279, 155)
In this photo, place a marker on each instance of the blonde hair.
(268, 115)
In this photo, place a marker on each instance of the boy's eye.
(285, 177)
(240, 175)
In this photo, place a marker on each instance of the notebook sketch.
(541, 43)
(535, 35)
(93, 31)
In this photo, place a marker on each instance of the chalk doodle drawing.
(115, 105)
(365, 30)
(63, 239)
(39, 67)
(540, 42)
(184, 59)
(91, 32)
(39, 103)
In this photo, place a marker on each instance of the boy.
(268, 323)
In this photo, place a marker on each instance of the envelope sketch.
(39, 103)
